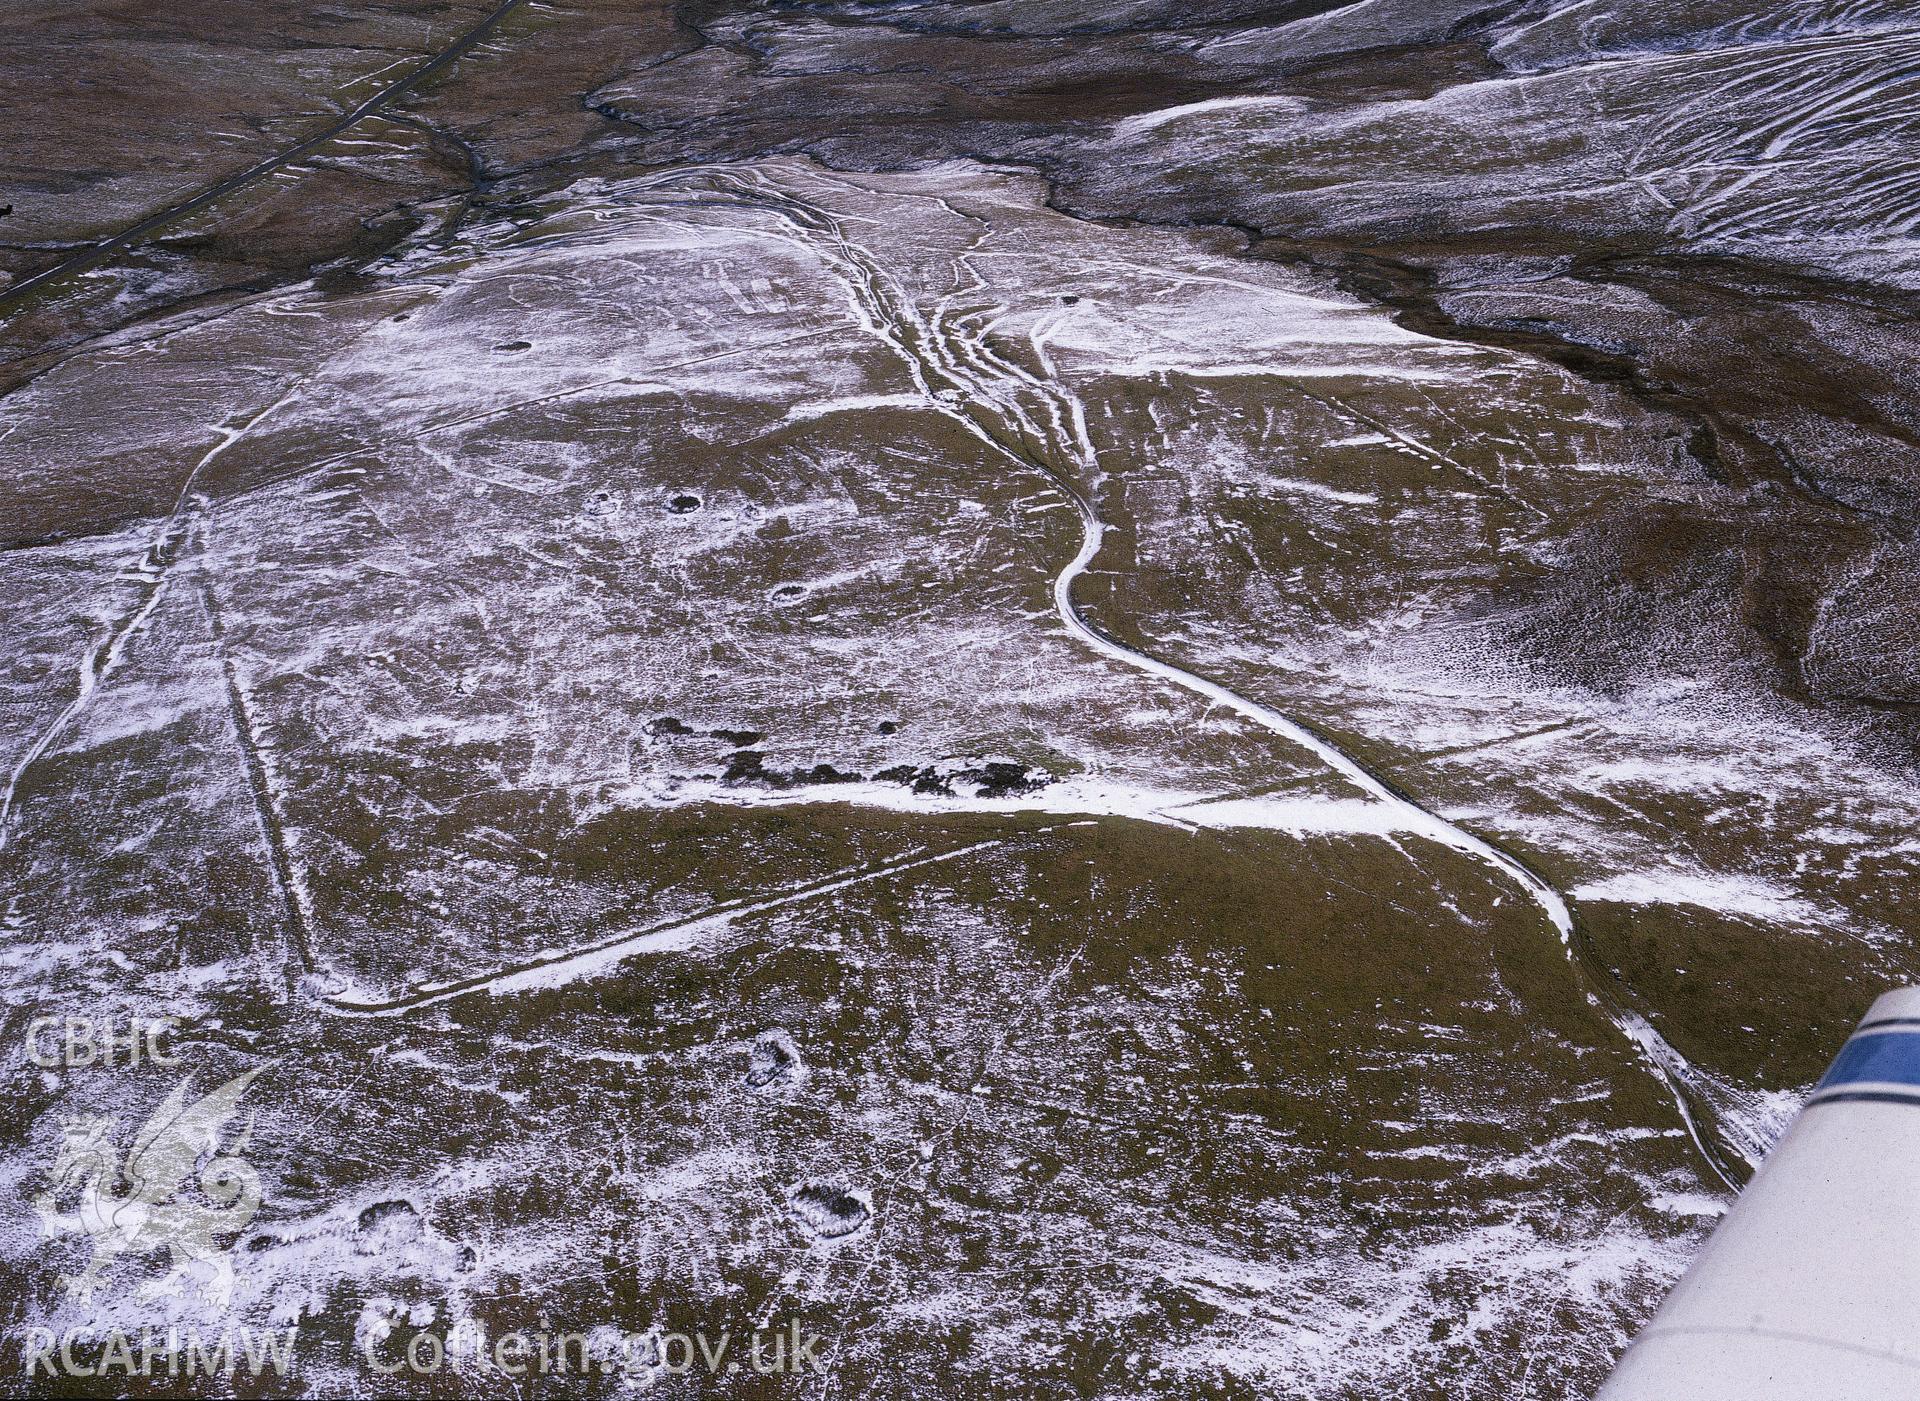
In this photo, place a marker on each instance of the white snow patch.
(1724, 893)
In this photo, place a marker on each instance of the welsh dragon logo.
(137, 1206)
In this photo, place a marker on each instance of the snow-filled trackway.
(1038, 422)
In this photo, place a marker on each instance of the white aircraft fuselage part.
(1809, 1289)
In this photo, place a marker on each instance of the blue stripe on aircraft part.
(1877, 1058)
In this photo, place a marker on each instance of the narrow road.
(97, 252)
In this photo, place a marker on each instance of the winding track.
(149, 577)
(1040, 424)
